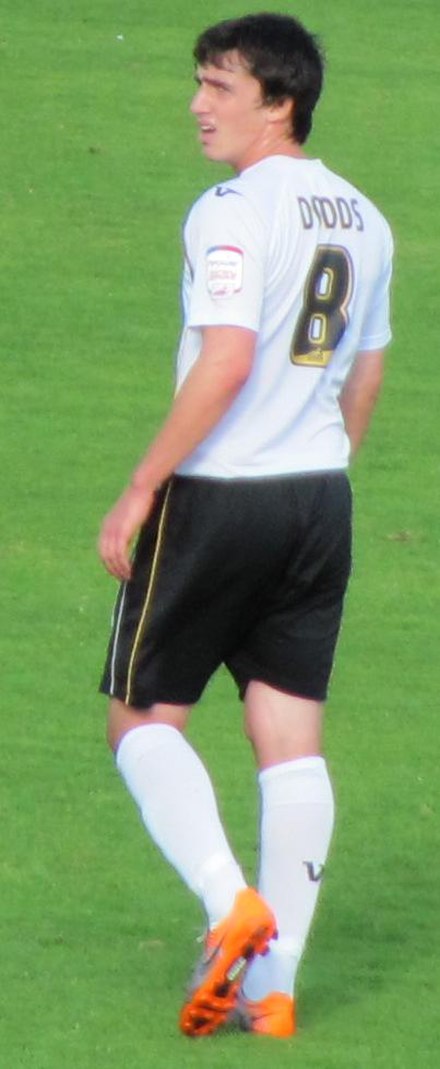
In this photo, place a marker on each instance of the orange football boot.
(229, 948)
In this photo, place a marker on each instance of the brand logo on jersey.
(224, 270)
(314, 874)
(221, 191)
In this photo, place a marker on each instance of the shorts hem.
(250, 675)
(146, 701)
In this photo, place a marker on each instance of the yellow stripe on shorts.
(148, 598)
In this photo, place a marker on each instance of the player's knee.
(121, 718)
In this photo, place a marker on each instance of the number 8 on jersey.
(323, 318)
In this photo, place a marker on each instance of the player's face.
(233, 121)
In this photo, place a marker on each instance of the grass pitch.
(99, 165)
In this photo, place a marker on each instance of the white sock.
(173, 791)
(297, 815)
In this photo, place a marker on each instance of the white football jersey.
(298, 255)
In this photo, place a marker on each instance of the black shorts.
(246, 572)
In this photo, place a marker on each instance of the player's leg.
(296, 826)
(171, 625)
(280, 726)
(176, 800)
(292, 650)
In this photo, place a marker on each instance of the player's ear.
(281, 111)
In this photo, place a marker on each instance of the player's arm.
(360, 393)
(205, 396)
(211, 386)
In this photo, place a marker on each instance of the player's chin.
(212, 151)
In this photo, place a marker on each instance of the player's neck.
(292, 150)
(270, 146)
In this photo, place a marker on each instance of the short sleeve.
(226, 250)
(376, 330)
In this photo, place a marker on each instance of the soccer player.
(242, 508)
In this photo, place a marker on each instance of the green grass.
(98, 166)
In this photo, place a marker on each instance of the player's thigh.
(292, 644)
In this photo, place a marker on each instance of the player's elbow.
(240, 370)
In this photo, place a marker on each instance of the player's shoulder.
(253, 188)
(231, 194)
(368, 207)
(230, 187)
(230, 202)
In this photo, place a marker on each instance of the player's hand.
(119, 528)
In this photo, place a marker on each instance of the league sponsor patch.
(224, 270)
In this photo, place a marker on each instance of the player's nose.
(198, 103)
